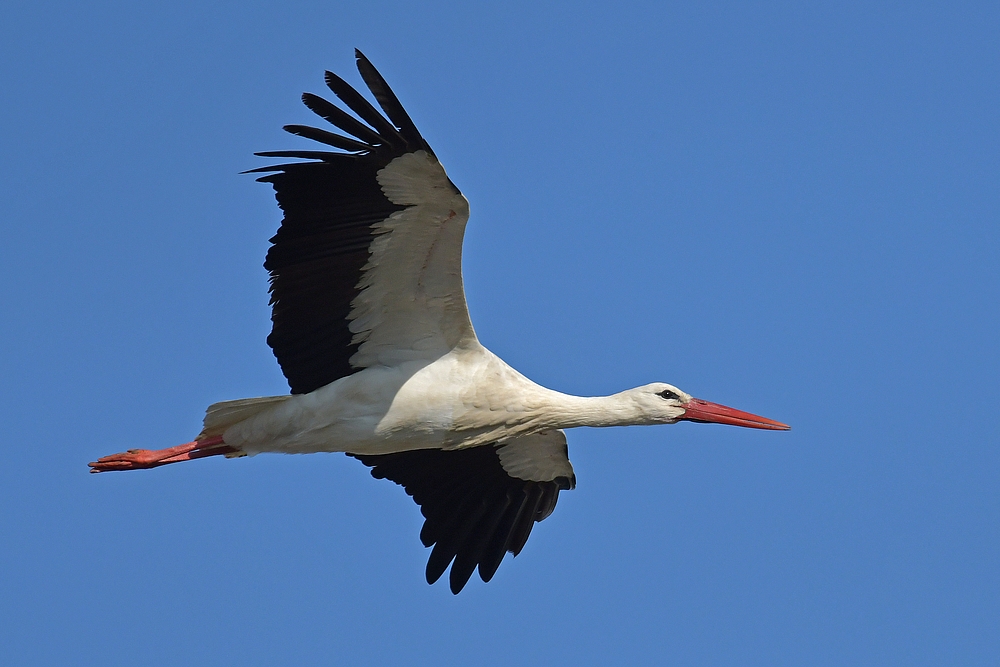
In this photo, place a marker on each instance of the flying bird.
(371, 330)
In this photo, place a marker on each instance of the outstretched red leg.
(138, 459)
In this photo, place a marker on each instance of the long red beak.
(698, 410)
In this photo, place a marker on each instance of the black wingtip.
(436, 565)
(390, 104)
(457, 582)
(362, 61)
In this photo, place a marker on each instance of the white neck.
(558, 410)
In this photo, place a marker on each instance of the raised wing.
(366, 267)
(481, 502)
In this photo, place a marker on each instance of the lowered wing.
(481, 502)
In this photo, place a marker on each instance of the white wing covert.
(411, 303)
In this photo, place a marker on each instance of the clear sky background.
(788, 209)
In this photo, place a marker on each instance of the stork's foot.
(138, 459)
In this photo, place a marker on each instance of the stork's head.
(666, 404)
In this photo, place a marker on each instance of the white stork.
(371, 329)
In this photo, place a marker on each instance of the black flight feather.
(389, 103)
(365, 111)
(474, 511)
(328, 138)
(305, 155)
(340, 118)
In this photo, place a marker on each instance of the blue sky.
(788, 209)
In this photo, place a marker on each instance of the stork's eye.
(666, 393)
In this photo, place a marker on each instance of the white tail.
(220, 416)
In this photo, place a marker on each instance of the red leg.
(137, 459)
